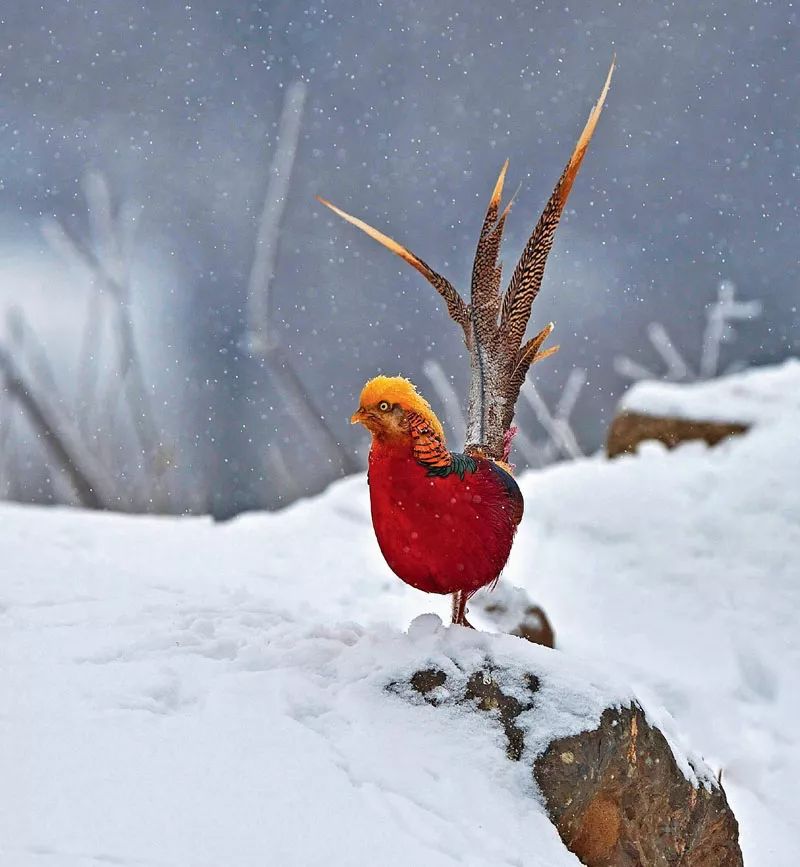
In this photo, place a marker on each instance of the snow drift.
(176, 692)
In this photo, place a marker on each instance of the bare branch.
(25, 340)
(302, 407)
(677, 368)
(559, 430)
(631, 369)
(569, 396)
(95, 490)
(266, 249)
(129, 361)
(446, 394)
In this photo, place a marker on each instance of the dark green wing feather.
(459, 464)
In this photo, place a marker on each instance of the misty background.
(136, 153)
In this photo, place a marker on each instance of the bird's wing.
(511, 488)
(430, 450)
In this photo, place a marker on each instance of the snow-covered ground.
(755, 396)
(174, 692)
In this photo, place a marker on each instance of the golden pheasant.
(445, 521)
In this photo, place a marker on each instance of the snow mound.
(173, 722)
(755, 396)
(182, 693)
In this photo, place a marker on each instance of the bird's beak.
(358, 416)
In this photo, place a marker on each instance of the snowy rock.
(615, 791)
(710, 411)
(757, 396)
(618, 797)
(629, 429)
(510, 610)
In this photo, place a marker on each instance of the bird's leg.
(454, 609)
(459, 615)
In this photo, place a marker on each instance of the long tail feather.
(455, 304)
(531, 349)
(494, 326)
(494, 202)
(528, 355)
(527, 277)
(485, 288)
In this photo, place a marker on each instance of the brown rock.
(631, 428)
(534, 626)
(620, 800)
(615, 794)
(511, 610)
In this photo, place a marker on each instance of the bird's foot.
(459, 615)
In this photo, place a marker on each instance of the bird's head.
(385, 404)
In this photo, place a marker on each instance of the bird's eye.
(383, 406)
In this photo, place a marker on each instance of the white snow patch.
(176, 692)
(754, 396)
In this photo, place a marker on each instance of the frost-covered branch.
(631, 369)
(258, 341)
(535, 454)
(25, 342)
(6, 442)
(569, 396)
(110, 274)
(677, 368)
(266, 249)
(557, 428)
(719, 329)
(92, 485)
(305, 412)
(447, 396)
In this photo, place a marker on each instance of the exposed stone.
(615, 793)
(629, 428)
(535, 627)
(510, 610)
(427, 680)
(484, 690)
(622, 801)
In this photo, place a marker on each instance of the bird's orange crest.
(398, 389)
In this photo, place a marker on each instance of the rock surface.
(709, 410)
(617, 797)
(629, 428)
(615, 793)
(511, 611)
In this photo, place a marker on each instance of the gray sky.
(412, 107)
